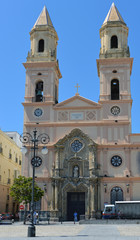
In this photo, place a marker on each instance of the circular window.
(76, 146)
(36, 162)
(116, 161)
(38, 112)
(115, 110)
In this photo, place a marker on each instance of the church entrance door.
(75, 202)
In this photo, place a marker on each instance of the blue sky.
(77, 23)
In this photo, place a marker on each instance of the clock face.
(115, 110)
(116, 161)
(76, 146)
(38, 112)
(36, 162)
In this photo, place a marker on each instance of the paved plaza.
(70, 231)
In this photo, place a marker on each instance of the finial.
(77, 86)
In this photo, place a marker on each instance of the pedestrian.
(29, 217)
(34, 216)
(119, 214)
(37, 217)
(75, 217)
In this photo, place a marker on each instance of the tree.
(21, 191)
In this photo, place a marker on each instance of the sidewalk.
(42, 229)
(71, 231)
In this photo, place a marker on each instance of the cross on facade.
(77, 86)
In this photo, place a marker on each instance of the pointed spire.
(44, 19)
(113, 15)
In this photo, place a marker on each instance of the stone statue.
(76, 171)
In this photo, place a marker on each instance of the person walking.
(75, 217)
(35, 217)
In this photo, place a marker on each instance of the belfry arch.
(114, 42)
(114, 89)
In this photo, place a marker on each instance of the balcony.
(38, 99)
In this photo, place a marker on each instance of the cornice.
(116, 101)
(78, 123)
(30, 65)
(75, 108)
(120, 179)
(112, 61)
(38, 103)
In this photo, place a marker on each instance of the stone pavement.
(70, 231)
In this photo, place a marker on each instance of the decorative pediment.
(73, 186)
(77, 102)
(76, 156)
(75, 133)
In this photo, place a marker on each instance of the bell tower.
(43, 40)
(42, 70)
(113, 34)
(42, 82)
(114, 69)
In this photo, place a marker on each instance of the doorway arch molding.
(74, 187)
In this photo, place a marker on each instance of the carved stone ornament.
(91, 115)
(63, 116)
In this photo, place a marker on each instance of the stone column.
(128, 162)
(99, 196)
(92, 209)
(105, 170)
(87, 202)
(56, 196)
(57, 163)
(53, 197)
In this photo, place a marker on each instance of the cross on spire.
(77, 86)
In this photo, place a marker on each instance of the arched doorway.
(75, 203)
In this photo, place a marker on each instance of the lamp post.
(27, 138)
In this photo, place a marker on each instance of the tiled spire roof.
(113, 15)
(44, 19)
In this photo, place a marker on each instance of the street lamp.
(26, 138)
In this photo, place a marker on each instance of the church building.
(93, 158)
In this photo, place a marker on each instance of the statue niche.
(75, 171)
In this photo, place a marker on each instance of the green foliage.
(21, 190)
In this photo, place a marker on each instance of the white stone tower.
(41, 90)
(114, 70)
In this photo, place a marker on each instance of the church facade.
(93, 158)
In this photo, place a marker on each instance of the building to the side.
(93, 157)
(16, 138)
(10, 168)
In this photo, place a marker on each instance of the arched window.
(114, 42)
(1, 150)
(115, 89)
(41, 45)
(10, 154)
(56, 95)
(39, 92)
(116, 194)
(76, 171)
